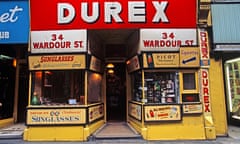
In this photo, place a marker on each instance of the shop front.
(84, 74)
(226, 46)
(13, 61)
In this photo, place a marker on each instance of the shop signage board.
(205, 91)
(104, 14)
(14, 22)
(189, 57)
(160, 60)
(95, 112)
(192, 108)
(56, 62)
(133, 64)
(204, 48)
(96, 64)
(166, 39)
(162, 113)
(135, 111)
(53, 116)
(60, 41)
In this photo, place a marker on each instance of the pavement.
(13, 135)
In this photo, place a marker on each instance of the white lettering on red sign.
(66, 12)
(204, 45)
(205, 90)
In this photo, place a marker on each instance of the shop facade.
(165, 84)
(14, 33)
(226, 46)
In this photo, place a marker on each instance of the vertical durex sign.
(14, 22)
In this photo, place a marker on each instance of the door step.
(116, 130)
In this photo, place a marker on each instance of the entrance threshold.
(116, 130)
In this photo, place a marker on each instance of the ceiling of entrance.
(114, 36)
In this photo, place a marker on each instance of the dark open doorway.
(116, 93)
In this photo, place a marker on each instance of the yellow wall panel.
(191, 127)
(218, 97)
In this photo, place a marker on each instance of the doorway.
(116, 92)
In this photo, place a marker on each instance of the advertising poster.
(192, 108)
(160, 60)
(135, 111)
(56, 116)
(95, 112)
(162, 113)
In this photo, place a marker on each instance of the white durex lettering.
(136, 12)
(95, 12)
(61, 8)
(160, 11)
(112, 10)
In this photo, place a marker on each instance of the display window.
(158, 87)
(165, 87)
(232, 75)
(54, 87)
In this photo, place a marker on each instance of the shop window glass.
(189, 81)
(94, 87)
(57, 87)
(136, 82)
(162, 87)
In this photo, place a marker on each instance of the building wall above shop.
(226, 21)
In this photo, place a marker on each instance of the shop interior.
(117, 50)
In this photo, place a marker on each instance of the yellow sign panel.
(159, 60)
(56, 116)
(54, 62)
(162, 113)
(95, 112)
(192, 108)
(189, 57)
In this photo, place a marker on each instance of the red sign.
(205, 90)
(204, 47)
(107, 14)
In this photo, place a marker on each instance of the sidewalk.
(13, 135)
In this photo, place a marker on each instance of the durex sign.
(14, 22)
(107, 14)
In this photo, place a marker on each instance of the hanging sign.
(96, 64)
(133, 64)
(105, 14)
(58, 41)
(166, 39)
